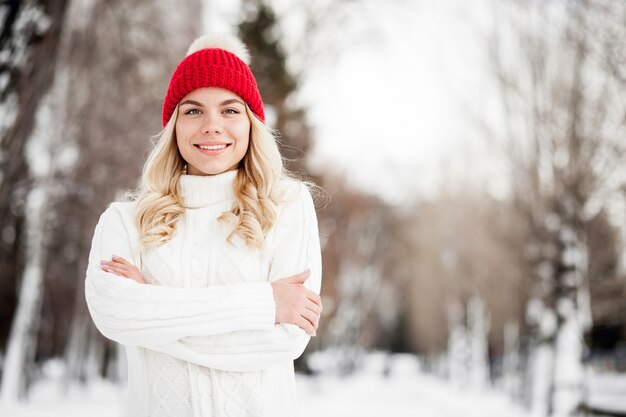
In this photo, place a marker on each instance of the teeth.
(211, 147)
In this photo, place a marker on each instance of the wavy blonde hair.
(160, 205)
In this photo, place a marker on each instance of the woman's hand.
(296, 304)
(120, 266)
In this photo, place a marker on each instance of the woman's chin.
(209, 170)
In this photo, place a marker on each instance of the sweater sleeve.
(150, 316)
(295, 248)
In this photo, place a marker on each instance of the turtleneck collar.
(203, 190)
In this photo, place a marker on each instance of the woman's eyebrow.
(192, 102)
(223, 103)
(231, 101)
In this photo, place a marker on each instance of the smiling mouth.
(213, 147)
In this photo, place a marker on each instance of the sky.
(397, 115)
(396, 109)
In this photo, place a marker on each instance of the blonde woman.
(210, 277)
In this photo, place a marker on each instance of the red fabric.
(212, 68)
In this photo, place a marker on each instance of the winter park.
(455, 245)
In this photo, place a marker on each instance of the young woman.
(190, 276)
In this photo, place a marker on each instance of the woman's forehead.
(211, 94)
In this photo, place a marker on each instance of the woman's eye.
(192, 111)
(231, 111)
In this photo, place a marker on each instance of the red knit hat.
(214, 61)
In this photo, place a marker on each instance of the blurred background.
(474, 156)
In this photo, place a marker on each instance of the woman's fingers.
(297, 304)
(313, 296)
(306, 326)
(121, 260)
(115, 265)
(315, 308)
(122, 267)
(117, 262)
(115, 270)
(311, 317)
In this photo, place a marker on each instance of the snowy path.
(102, 399)
(403, 396)
(364, 396)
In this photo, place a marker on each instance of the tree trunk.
(23, 338)
(511, 360)
(478, 331)
(574, 321)
(29, 39)
(39, 157)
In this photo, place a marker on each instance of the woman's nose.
(212, 124)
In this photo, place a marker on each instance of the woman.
(190, 275)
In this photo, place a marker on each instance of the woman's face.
(212, 131)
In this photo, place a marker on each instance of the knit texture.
(212, 68)
(200, 337)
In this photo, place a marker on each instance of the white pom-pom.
(224, 41)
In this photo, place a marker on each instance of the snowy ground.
(367, 393)
(406, 392)
(608, 392)
(100, 399)
(361, 395)
(406, 396)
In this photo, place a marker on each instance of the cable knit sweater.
(201, 339)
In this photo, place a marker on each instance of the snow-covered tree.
(563, 100)
(511, 380)
(478, 332)
(28, 49)
(458, 350)
(468, 336)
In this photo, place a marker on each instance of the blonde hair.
(159, 203)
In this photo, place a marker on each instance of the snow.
(366, 393)
(8, 112)
(569, 374)
(32, 19)
(542, 363)
(373, 395)
(101, 398)
(607, 391)
(385, 385)
(4, 81)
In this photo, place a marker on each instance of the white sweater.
(201, 339)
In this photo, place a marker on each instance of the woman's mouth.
(212, 149)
